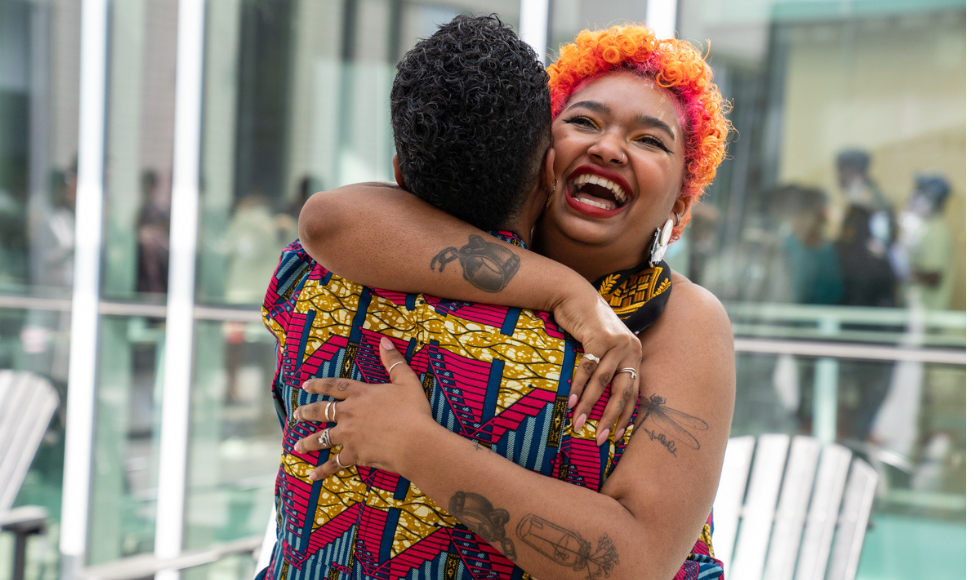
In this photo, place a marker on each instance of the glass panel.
(233, 567)
(838, 222)
(908, 419)
(295, 101)
(38, 141)
(127, 432)
(569, 17)
(235, 435)
(37, 341)
(38, 152)
(846, 184)
(142, 64)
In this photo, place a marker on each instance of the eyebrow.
(644, 120)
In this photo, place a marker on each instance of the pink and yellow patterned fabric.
(496, 375)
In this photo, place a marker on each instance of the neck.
(522, 224)
(591, 262)
(521, 230)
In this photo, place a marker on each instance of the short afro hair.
(674, 65)
(470, 113)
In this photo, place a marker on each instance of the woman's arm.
(380, 235)
(649, 513)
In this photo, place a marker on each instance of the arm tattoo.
(479, 515)
(567, 548)
(668, 426)
(489, 267)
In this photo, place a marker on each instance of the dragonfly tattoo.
(668, 426)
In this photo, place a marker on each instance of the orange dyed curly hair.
(676, 66)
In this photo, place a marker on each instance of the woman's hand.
(588, 318)
(375, 424)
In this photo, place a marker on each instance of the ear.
(547, 179)
(682, 207)
(398, 172)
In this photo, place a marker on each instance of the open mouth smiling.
(597, 191)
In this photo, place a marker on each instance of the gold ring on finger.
(629, 370)
(324, 439)
(591, 357)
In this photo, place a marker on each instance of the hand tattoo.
(343, 385)
(489, 267)
(567, 548)
(479, 515)
(673, 425)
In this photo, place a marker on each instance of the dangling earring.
(661, 237)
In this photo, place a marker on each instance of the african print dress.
(499, 376)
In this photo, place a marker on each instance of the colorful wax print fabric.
(496, 375)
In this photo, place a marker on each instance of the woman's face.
(619, 161)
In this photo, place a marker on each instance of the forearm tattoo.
(567, 548)
(488, 266)
(479, 515)
(668, 426)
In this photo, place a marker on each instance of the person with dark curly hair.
(619, 483)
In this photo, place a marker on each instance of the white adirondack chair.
(759, 538)
(27, 403)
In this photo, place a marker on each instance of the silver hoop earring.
(661, 237)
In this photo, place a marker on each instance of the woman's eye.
(582, 122)
(655, 142)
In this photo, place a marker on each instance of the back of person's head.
(674, 65)
(854, 160)
(471, 120)
(934, 188)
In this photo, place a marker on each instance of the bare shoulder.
(692, 342)
(694, 309)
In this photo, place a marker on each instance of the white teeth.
(601, 182)
(597, 204)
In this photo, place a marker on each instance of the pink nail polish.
(619, 434)
(602, 437)
(572, 399)
(387, 344)
(314, 476)
(579, 423)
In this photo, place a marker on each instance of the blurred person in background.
(861, 191)
(927, 245)
(866, 271)
(153, 235)
(811, 259)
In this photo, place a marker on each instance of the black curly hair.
(471, 116)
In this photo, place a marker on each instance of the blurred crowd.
(879, 256)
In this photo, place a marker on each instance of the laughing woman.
(638, 131)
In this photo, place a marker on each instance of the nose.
(608, 150)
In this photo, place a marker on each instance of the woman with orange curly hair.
(639, 130)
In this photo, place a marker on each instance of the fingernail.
(306, 385)
(314, 476)
(579, 422)
(572, 399)
(386, 343)
(602, 437)
(619, 434)
(296, 415)
(296, 447)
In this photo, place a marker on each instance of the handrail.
(760, 335)
(845, 314)
(147, 565)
